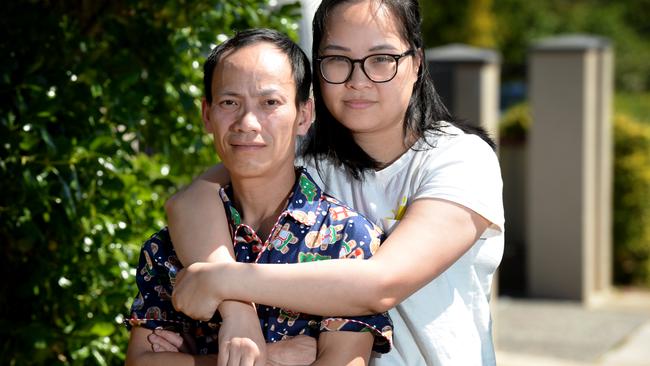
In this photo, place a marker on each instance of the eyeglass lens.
(378, 68)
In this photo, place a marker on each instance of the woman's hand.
(195, 292)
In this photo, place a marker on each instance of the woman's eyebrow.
(381, 47)
(335, 47)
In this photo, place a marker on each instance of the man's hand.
(168, 341)
(297, 351)
(194, 293)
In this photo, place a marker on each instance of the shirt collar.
(303, 205)
(305, 198)
(231, 212)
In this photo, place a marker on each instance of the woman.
(383, 143)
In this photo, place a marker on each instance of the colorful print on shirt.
(313, 227)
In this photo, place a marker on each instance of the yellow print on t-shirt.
(401, 209)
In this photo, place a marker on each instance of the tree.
(99, 124)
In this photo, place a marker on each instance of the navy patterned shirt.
(314, 226)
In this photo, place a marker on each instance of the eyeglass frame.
(361, 61)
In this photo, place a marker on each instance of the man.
(257, 102)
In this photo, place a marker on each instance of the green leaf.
(102, 329)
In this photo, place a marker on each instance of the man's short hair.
(299, 62)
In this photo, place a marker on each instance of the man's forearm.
(171, 359)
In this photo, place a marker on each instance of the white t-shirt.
(447, 322)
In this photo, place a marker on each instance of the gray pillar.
(569, 195)
(467, 79)
(307, 11)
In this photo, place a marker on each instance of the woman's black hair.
(299, 61)
(329, 139)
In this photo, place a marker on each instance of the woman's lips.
(358, 103)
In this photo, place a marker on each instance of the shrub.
(515, 123)
(99, 124)
(631, 201)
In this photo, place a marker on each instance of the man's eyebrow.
(262, 93)
(227, 93)
(270, 91)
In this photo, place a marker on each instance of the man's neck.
(260, 200)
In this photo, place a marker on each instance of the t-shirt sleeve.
(152, 307)
(359, 239)
(465, 171)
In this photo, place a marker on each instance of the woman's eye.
(335, 60)
(382, 59)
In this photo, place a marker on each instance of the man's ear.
(305, 116)
(205, 115)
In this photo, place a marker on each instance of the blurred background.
(100, 124)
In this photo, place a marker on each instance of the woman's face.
(357, 29)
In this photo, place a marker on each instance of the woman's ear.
(305, 116)
(418, 60)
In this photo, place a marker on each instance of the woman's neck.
(384, 146)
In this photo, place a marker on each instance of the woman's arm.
(431, 236)
(197, 220)
(200, 232)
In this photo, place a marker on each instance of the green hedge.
(631, 201)
(99, 124)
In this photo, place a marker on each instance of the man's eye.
(272, 102)
(228, 103)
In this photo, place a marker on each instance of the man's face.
(253, 115)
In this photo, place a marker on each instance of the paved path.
(616, 332)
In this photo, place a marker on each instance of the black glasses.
(379, 68)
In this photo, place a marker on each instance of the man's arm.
(344, 348)
(141, 353)
(296, 351)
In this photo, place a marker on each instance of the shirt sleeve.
(464, 170)
(152, 307)
(359, 239)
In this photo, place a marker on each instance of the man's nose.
(248, 122)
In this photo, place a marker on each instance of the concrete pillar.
(569, 195)
(467, 79)
(307, 11)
